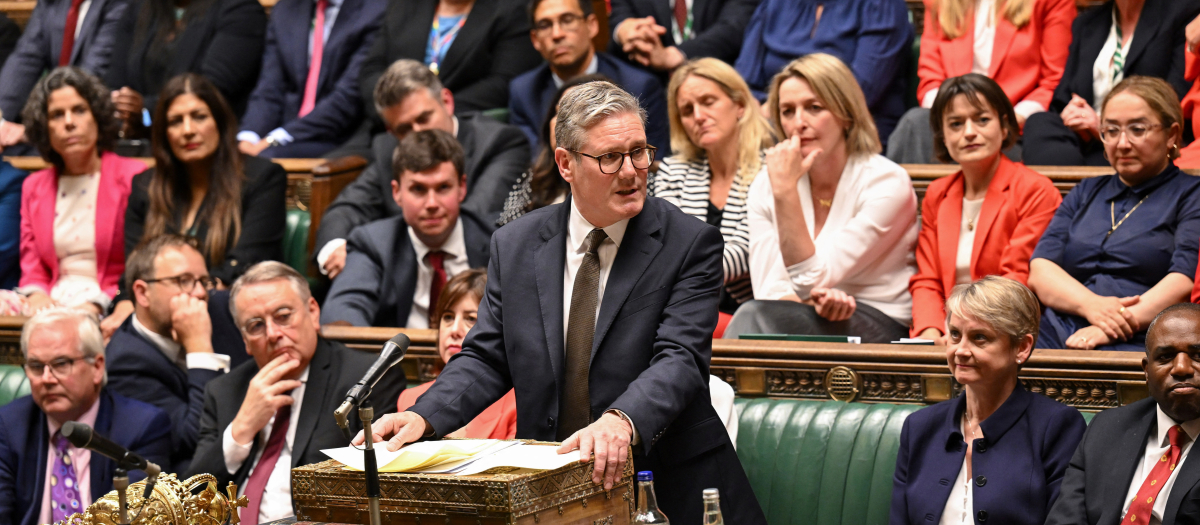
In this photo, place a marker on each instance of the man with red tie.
(1133, 465)
(276, 412)
(307, 102)
(396, 267)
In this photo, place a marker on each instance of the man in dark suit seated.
(276, 413)
(170, 348)
(1134, 465)
(45, 45)
(396, 267)
(663, 34)
(599, 311)
(43, 478)
(307, 101)
(410, 98)
(562, 31)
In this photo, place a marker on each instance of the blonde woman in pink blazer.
(73, 213)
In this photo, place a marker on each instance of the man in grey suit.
(410, 98)
(41, 48)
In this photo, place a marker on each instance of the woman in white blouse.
(718, 134)
(833, 223)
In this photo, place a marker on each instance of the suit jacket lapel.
(470, 37)
(90, 25)
(1187, 480)
(412, 32)
(293, 37)
(101, 467)
(637, 250)
(44, 225)
(549, 261)
(1149, 22)
(316, 392)
(948, 227)
(338, 35)
(1089, 49)
(993, 201)
(477, 243)
(407, 272)
(107, 204)
(1000, 44)
(1131, 446)
(39, 432)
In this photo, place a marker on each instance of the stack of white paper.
(458, 456)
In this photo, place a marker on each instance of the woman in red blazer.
(1029, 42)
(1003, 205)
(72, 214)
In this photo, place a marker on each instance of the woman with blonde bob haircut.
(1028, 438)
(719, 135)
(833, 223)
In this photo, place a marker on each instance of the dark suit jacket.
(139, 370)
(653, 344)
(24, 446)
(376, 288)
(717, 25)
(496, 155)
(10, 33)
(1157, 49)
(40, 46)
(276, 99)
(11, 180)
(492, 48)
(332, 371)
(1101, 471)
(1021, 458)
(530, 95)
(264, 214)
(224, 44)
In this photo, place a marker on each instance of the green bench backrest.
(13, 383)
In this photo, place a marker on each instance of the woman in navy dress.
(996, 453)
(1122, 247)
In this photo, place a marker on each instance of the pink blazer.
(39, 260)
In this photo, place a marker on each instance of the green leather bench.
(822, 462)
(13, 383)
(295, 240)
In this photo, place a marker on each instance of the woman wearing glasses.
(832, 222)
(73, 213)
(1122, 247)
(718, 134)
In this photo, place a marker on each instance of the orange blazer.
(1189, 157)
(1016, 210)
(1026, 62)
(499, 421)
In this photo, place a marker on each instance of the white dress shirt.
(172, 349)
(1104, 68)
(591, 69)
(865, 248)
(455, 262)
(958, 509)
(80, 457)
(1157, 444)
(277, 500)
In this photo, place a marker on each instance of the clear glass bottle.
(712, 508)
(647, 511)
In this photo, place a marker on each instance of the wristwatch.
(272, 142)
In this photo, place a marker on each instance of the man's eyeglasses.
(611, 162)
(256, 327)
(186, 281)
(1135, 132)
(59, 367)
(568, 22)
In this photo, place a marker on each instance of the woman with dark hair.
(543, 185)
(73, 213)
(220, 39)
(203, 187)
(453, 317)
(987, 218)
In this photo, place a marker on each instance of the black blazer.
(376, 288)
(264, 217)
(717, 25)
(650, 358)
(496, 155)
(1101, 471)
(492, 48)
(139, 370)
(9, 34)
(24, 446)
(1157, 49)
(225, 44)
(332, 371)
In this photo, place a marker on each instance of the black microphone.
(82, 436)
(393, 352)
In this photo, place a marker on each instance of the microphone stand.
(367, 413)
(121, 482)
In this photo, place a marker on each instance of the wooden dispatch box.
(327, 492)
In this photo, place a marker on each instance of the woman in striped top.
(718, 135)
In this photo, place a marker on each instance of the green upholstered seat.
(295, 240)
(13, 383)
(500, 114)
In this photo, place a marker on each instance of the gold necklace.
(1112, 207)
(825, 202)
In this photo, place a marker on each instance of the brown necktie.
(575, 408)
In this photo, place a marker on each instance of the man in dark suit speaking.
(1133, 465)
(599, 311)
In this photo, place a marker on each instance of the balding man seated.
(43, 478)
